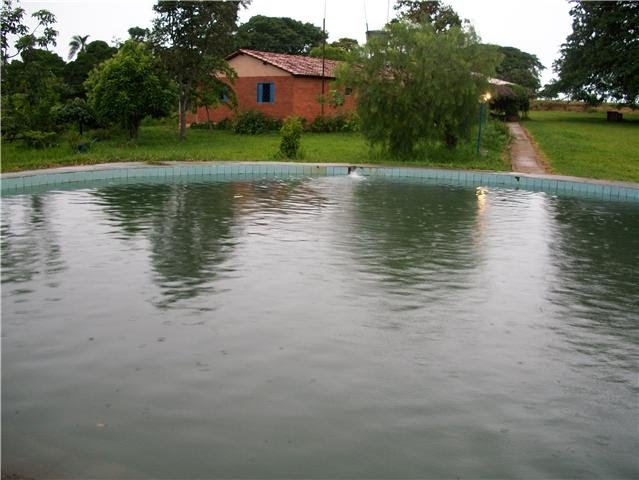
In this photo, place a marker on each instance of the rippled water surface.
(326, 327)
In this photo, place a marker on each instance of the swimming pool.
(317, 326)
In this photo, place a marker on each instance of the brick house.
(279, 85)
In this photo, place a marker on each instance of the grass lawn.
(159, 143)
(586, 145)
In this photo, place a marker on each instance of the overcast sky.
(534, 26)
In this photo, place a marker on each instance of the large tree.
(442, 17)
(11, 25)
(129, 87)
(77, 44)
(415, 84)
(329, 52)
(282, 35)
(519, 67)
(31, 87)
(600, 59)
(338, 50)
(192, 39)
(77, 71)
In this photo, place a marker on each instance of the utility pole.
(323, 61)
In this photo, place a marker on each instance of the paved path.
(523, 155)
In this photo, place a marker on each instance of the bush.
(224, 124)
(253, 123)
(75, 111)
(494, 135)
(77, 142)
(100, 134)
(38, 139)
(337, 123)
(291, 134)
(202, 126)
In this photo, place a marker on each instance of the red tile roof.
(294, 64)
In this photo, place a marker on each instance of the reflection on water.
(188, 227)
(409, 244)
(30, 252)
(597, 256)
(328, 327)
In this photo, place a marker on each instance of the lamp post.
(482, 113)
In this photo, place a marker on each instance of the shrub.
(253, 123)
(38, 139)
(77, 142)
(75, 111)
(100, 134)
(224, 124)
(291, 134)
(202, 126)
(337, 123)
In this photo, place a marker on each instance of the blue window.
(266, 92)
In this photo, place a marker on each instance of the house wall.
(293, 95)
(308, 90)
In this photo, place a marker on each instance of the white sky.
(534, 26)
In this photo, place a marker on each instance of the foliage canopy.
(129, 87)
(442, 17)
(11, 23)
(600, 59)
(415, 84)
(192, 40)
(281, 35)
(76, 72)
(519, 67)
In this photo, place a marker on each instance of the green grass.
(158, 143)
(586, 145)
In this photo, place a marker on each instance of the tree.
(519, 67)
(212, 91)
(129, 87)
(338, 50)
(281, 35)
(77, 71)
(77, 44)
(441, 17)
(75, 111)
(192, 39)
(11, 25)
(600, 59)
(30, 89)
(138, 34)
(414, 84)
(348, 44)
(329, 52)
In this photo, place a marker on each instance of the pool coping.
(607, 189)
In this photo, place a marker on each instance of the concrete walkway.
(523, 155)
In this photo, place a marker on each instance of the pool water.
(318, 328)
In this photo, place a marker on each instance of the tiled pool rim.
(38, 180)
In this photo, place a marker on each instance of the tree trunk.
(208, 117)
(450, 139)
(182, 117)
(134, 129)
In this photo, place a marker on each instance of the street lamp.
(483, 100)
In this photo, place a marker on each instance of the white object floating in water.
(481, 191)
(353, 173)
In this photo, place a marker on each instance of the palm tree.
(77, 44)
